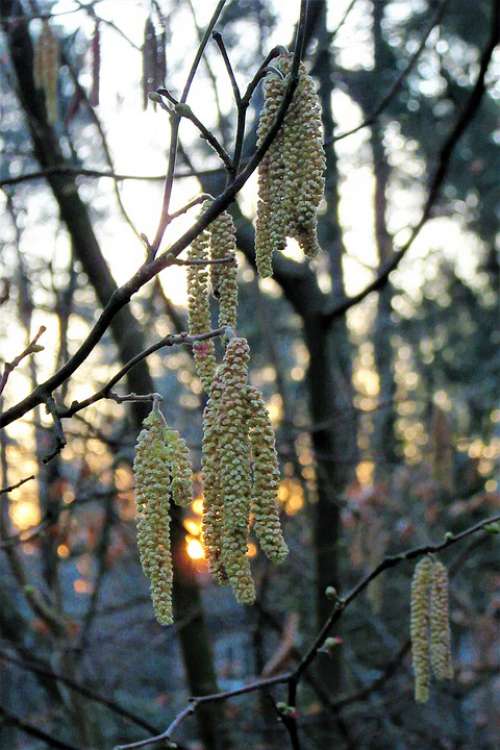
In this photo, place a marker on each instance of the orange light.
(252, 550)
(194, 549)
(25, 513)
(197, 506)
(82, 586)
(192, 526)
(63, 550)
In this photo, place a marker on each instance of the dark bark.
(125, 330)
(383, 438)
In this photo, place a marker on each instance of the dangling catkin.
(179, 460)
(235, 470)
(266, 477)
(199, 310)
(149, 61)
(440, 647)
(46, 69)
(223, 275)
(419, 627)
(152, 482)
(291, 174)
(213, 506)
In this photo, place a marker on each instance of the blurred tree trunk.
(384, 444)
(127, 335)
(329, 375)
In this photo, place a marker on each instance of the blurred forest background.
(386, 411)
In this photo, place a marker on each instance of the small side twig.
(32, 348)
(60, 441)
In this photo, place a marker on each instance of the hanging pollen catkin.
(291, 174)
(96, 65)
(179, 459)
(46, 69)
(266, 478)
(419, 627)
(152, 486)
(149, 61)
(199, 310)
(440, 647)
(223, 276)
(213, 506)
(235, 470)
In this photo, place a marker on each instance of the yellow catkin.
(440, 648)
(199, 310)
(291, 175)
(235, 470)
(213, 508)
(46, 69)
(266, 478)
(179, 461)
(419, 627)
(224, 276)
(152, 486)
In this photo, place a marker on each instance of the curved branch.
(443, 163)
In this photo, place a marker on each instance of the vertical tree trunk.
(127, 335)
(329, 378)
(383, 438)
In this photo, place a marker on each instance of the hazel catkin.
(440, 645)
(235, 471)
(291, 174)
(419, 627)
(223, 276)
(152, 483)
(266, 477)
(179, 460)
(199, 309)
(213, 510)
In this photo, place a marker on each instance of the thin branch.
(11, 719)
(77, 172)
(443, 162)
(58, 429)
(174, 135)
(32, 348)
(293, 678)
(12, 487)
(217, 36)
(387, 99)
(38, 669)
(198, 701)
(106, 392)
(149, 270)
(184, 110)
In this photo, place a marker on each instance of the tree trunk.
(383, 437)
(127, 335)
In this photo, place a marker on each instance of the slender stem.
(174, 136)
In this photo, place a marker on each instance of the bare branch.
(32, 348)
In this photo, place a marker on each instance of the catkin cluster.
(429, 628)
(240, 472)
(46, 68)
(217, 242)
(162, 468)
(291, 174)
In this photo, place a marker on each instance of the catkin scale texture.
(291, 175)
(440, 646)
(213, 510)
(235, 471)
(152, 482)
(419, 627)
(199, 310)
(266, 477)
(223, 276)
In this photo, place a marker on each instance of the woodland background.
(386, 411)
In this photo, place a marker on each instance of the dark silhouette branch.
(443, 163)
(293, 678)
